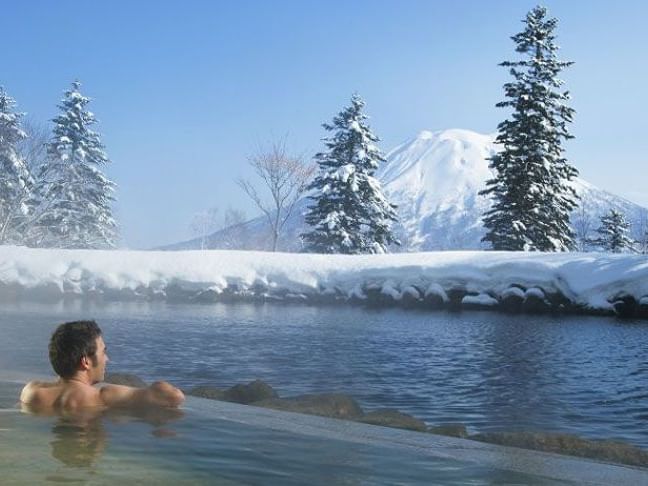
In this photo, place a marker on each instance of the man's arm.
(160, 393)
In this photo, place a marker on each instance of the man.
(78, 355)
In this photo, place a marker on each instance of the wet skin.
(78, 392)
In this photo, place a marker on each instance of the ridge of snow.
(589, 279)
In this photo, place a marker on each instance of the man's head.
(78, 347)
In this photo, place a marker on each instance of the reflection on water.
(78, 444)
(580, 375)
(79, 438)
(124, 447)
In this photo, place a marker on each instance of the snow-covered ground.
(470, 278)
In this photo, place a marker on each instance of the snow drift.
(581, 282)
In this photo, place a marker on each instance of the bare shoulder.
(40, 396)
(39, 393)
(59, 396)
(34, 389)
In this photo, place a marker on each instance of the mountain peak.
(434, 179)
(459, 134)
(425, 135)
(439, 163)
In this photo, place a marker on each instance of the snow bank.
(513, 281)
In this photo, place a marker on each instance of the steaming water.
(581, 375)
(492, 372)
(201, 448)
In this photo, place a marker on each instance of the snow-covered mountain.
(434, 179)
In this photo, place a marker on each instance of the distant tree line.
(53, 192)
(532, 198)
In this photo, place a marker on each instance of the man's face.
(98, 369)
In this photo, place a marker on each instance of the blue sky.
(185, 91)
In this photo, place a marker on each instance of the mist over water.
(490, 371)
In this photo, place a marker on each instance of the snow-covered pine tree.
(16, 183)
(350, 213)
(76, 197)
(614, 233)
(532, 199)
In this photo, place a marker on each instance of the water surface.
(198, 447)
(582, 375)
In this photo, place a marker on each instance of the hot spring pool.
(221, 443)
(489, 371)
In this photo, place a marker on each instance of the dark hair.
(70, 342)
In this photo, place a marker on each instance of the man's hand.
(165, 395)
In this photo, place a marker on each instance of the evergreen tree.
(76, 196)
(16, 183)
(349, 214)
(614, 233)
(532, 199)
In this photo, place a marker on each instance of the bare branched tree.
(285, 177)
(233, 217)
(640, 231)
(235, 233)
(583, 226)
(231, 226)
(33, 148)
(204, 223)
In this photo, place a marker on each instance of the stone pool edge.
(543, 464)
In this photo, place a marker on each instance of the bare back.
(60, 396)
(79, 373)
(72, 396)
